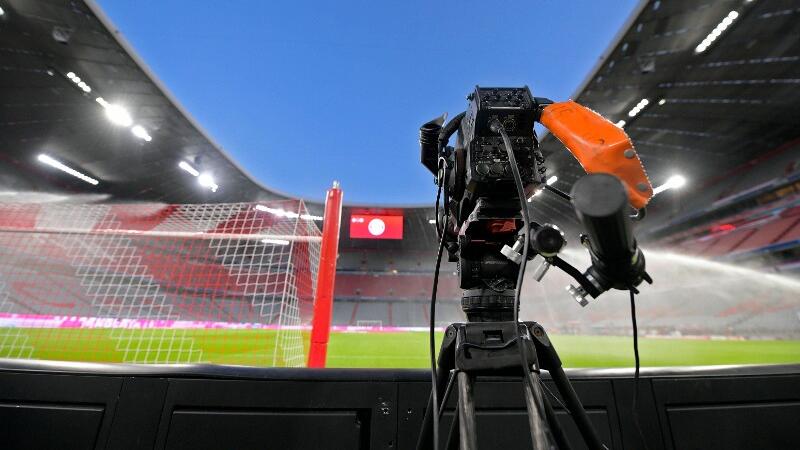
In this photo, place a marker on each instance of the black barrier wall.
(50, 405)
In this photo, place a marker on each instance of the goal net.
(153, 283)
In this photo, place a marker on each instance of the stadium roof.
(715, 99)
(45, 45)
(710, 107)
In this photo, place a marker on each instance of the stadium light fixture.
(78, 82)
(2, 11)
(552, 180)
(118, 115)
(206, 180)
(141, 133)
(188, 167)
(64, 168)
(621, 123)
(716, 32)
(432, 221)
(662, 101)
(673, 182)
(638, 108)
(310, 217)
(275, 241)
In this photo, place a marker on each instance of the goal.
(153, 283)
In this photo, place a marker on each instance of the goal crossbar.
(164, 234)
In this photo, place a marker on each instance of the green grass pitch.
(405, 349)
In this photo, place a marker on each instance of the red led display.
(376, 226)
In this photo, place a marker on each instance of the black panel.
(730, 413)
(732, 426)
(43, 412)
(138, 413)
(367, 408)
(40, 427)
(646, 411)
(256, 430)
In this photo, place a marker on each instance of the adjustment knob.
(579, 294)
(482, 168)
(497, 168)
(514, 253)
(548, 240)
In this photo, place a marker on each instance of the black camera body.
(482, 200)
(488, 172)
(482, 168)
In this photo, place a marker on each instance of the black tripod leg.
(446, 363)
(534, 401)
(549, 360)
(576, 408)
(555, 427)
(468, 435)
(452, 435)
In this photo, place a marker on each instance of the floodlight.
(206, 180)
(188, 167)
(64, 168)
(141, 133)
(118, 115)
(673, 182)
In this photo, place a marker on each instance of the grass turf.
(406, 349)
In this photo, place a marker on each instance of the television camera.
(484, 184)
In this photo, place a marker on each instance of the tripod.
(490, 348)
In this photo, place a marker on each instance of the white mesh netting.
(154, 283)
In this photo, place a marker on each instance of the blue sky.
(301, 93)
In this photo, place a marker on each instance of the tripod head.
(481, 219)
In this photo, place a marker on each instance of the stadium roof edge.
(623, 30)
(120, 38)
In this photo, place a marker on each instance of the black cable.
(634, 410)
(439, 227)
(512, 160)
(432, 336)
(555, 397)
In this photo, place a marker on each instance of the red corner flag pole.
(323, 301)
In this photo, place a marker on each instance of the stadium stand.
(752, 215)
